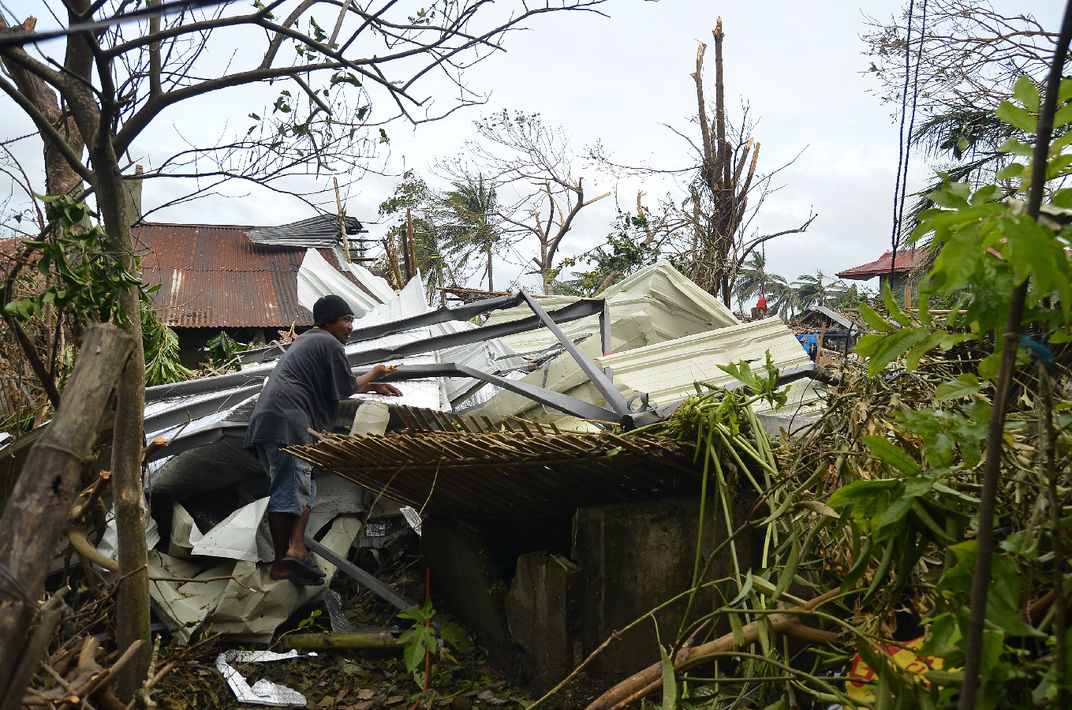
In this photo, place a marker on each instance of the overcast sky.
(618, 80)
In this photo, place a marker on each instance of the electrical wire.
(20, 39)
(904, 146)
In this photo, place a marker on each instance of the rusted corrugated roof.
(906, 261)
(213, 276)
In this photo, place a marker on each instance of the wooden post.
(37, 512)
(392, 258)
(411, 250)
(342, 221)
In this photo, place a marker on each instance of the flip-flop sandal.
(304, 567)
(303, 579)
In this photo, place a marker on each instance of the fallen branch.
(353, 640)
(649, 680)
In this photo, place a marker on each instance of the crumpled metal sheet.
(237, 598)
(263, 692)
(667, 371)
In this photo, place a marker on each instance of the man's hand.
(386, 389)
(365, 383)
(378, 371)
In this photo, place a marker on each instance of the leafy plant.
(312, 622)
(85, 269)
(225, 352)
(424, 638)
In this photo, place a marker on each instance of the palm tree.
(814, 291)
(474, 205)
(782, 298)
(753, 280)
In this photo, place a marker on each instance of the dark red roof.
(213, 276)
(907, 260)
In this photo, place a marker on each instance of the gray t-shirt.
(302, 391)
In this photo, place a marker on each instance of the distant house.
(839, 330)
(238, 279)
(906, 262)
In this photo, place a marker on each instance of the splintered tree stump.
(38, 508)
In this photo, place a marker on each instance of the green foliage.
(420, 638)
(764, 386)
(914, 503)
(312, 623)
(225, 352)
(162, 363)
(626, 251)
(423, 638)
(85, 271)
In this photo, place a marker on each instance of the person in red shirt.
(761, 306)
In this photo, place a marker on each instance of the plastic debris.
(263, 692)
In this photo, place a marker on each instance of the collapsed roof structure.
(517, 416)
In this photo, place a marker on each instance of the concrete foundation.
(560, 605)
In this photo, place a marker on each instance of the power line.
(904, 147)
(23, 38)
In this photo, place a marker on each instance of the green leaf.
(1010, 171)
(964, 385)
(455, 636)
(858, 490)
(1063, 116)
(989, 365)
(669, 681)
(1027, 93)
(874, 320)
(1062, 198)
(891, 305)
(1058, 165)
(895, 512)
(881, 350)
(1017, 147)
(1017, 117)
(413, 655)
(892, 454)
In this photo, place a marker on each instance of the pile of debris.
(517, 421)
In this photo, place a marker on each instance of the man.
(761, 306)
(299, 401)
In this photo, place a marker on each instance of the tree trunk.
(38, 509)
(491, 282)
(132, 603)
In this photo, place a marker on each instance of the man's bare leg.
(296, 547)
(281, 527)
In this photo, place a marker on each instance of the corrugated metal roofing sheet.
(656, 304)
(667, 371)
(213, 276)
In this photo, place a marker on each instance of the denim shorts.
(291, 486)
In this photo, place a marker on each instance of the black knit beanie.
(329, 309)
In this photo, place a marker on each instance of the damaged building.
(546, 526)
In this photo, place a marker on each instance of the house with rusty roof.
(889, 269)
(238, 279)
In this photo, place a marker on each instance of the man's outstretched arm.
(367, 382)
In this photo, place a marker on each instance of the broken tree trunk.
(37, 511)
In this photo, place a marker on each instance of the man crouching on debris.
(299, 401)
